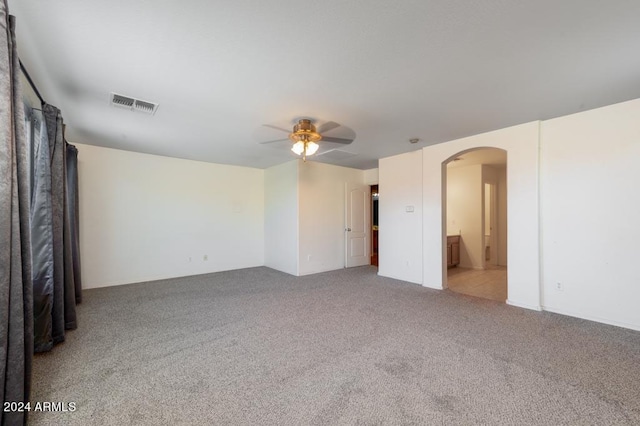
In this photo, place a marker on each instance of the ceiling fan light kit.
(305, 148)
(304, 138)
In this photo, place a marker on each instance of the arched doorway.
(475, 212)
(522, 145)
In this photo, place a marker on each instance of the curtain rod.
(33, 85)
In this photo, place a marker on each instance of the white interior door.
(358, 220)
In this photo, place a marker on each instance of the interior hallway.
(490, 283)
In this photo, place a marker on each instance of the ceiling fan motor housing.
(305, 131)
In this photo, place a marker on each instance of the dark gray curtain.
(16, 300)
(54, 126)
(41, 233)
(55, 221)
(74, 216)
(70, 322)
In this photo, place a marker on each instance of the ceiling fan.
(305, 136)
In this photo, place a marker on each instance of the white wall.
(590, 214)
(305, 216)
(145, 217)
(521, 144)
(400, 232)
(321, 194)
(371, 176)
(464, 212)
(572, 212)
(281, 217)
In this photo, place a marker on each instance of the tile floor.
(490, 283)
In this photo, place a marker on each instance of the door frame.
(493, 222)
(374, 232)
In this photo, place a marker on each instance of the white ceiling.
(387, 70)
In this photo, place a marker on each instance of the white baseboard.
(524, 305)
(179, 274)
(594, 318)
(432, 287)
(398, 278)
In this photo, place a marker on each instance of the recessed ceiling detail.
(133, 104)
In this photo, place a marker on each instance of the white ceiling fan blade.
(329, 125)
(277, 128)
(321, 153)
(273, 141)
(336, 140)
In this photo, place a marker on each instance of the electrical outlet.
(205, 257)
(308, 258)
(559, 286)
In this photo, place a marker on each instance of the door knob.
(348, 229)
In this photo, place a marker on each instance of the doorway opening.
(375, 195)
(476, 223)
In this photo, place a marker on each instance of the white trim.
(524, 305)
(152, 278)
(401, 279)
(594, 318)
(432, 287)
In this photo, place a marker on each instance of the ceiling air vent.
(144, 106)
(133, 104)
(121, 101)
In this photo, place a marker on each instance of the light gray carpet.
(256, 346)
